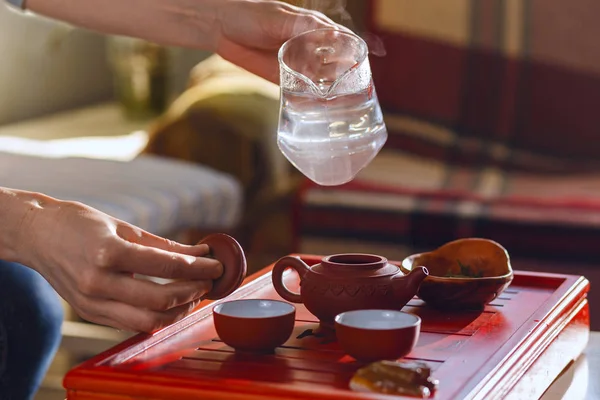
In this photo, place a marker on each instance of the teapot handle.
(277, 276)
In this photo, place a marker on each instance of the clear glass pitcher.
(330, 121)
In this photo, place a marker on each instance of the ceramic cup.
(254, 325)
(372, 335)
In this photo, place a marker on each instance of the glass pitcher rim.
(361, 59)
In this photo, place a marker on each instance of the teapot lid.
(230, 253)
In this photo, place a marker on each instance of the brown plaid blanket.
(493, 113)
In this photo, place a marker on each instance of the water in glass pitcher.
(330, 122)
(331, 139)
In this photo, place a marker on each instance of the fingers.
(254, 41)
(129, 318)
(304, 23)
(258, 62)
(303, 20)
(136, 235)
(103, 321)
(137, 259)
(145, 294)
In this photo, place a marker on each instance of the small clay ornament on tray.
(399, 378)
(230, 253)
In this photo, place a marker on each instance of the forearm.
(186, 23)
(18, 210)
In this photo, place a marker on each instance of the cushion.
(159, 195)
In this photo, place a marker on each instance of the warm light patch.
(122, 148)
(443, 20)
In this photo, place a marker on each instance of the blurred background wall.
(47, 67)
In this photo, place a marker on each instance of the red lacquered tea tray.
(516, 347)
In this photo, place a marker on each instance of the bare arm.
(245, 32)
(186, 23)
(17, 209)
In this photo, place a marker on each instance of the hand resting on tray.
(90, 258)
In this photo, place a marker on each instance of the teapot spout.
(416, 276)
(407, 286)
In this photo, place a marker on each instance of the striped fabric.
(159, 195)
(491, 108)
(508, 82)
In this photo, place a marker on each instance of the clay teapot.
(346, 282)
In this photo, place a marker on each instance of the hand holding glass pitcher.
(331, 125)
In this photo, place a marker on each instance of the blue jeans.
(31, 316)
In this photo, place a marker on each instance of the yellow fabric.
(218, 120)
